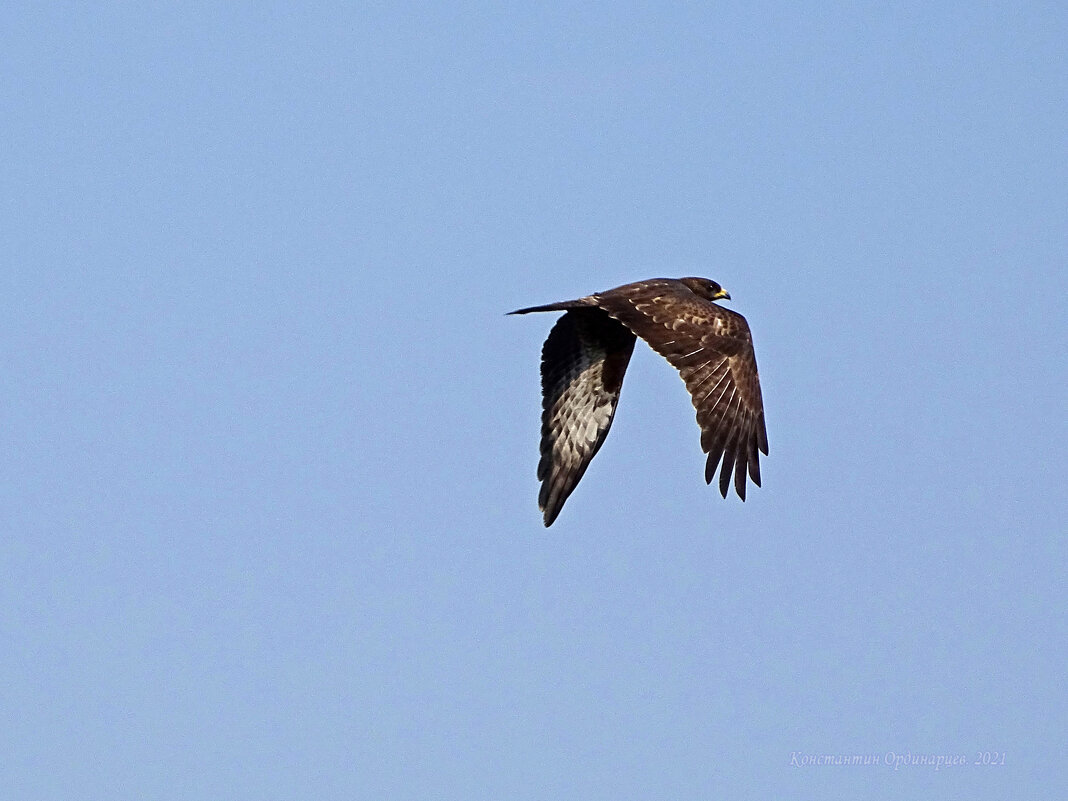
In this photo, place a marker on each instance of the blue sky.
(268, 441)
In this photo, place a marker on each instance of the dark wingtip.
(724, 481)
(549, 507)
(725, 471)
(739, 473)
(715, 453)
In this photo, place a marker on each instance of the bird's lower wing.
(582, 367)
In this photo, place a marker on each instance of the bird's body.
(585, 358)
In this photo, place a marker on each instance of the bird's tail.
(564, 305)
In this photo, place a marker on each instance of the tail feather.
(564, 305)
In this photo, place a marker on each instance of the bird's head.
(704, 288)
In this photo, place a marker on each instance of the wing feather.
(583, 363)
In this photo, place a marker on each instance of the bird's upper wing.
(582, 367)
(713, 351)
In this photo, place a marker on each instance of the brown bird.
(586, 355)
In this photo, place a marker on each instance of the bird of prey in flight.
(587, 352)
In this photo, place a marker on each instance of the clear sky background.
(268, 505)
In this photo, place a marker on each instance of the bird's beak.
(723, 293)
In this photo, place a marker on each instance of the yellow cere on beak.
(723, 293)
